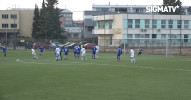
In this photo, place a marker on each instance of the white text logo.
(161, 8)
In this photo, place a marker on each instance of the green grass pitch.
(152, 77)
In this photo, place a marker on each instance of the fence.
(150, 46)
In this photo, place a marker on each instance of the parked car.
(89, 45)
(83, 42)
(68, 43)
(56, 44)
(72, 45)
(38, 45)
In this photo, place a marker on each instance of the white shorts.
(132, 56)
(83, 54)
(57, 54)
(97, 51)
(34, 54)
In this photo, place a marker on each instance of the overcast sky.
(79, 5)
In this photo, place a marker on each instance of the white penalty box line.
(87, 64)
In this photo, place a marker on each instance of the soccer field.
(152, 77)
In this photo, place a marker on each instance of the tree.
(173, 3)
(42, 20)
(35, 25)
(53, 27)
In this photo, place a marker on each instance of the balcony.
(103, 31)
(107, 17)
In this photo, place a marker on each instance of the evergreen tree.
(53, 28)
(35, 25)
(42, 20)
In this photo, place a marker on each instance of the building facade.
(17, 22)
(133, 22)
(143, 26)
(67, 18)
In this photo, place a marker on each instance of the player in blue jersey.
(4, 50)
(60, 53)
(78, 52)
(94, 52)
(66, 53)
(75, 51)
(55, 49)
(41, 50)
(119, 54)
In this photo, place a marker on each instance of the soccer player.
(57, 52)
(55, 49)
(119, 54)
(93, 52)
(140, 51)
(66, 53)
(4, 50)
(34, 53)
(75, 51)
(83, 50)
(97, 51)
(78, 52)
(132, 56)
(41, 50)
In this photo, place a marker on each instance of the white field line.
(18, 60)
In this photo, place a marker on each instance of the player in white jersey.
(34, 53)
(83, 50)
(97, 51)
(132, 52)
(57, 52)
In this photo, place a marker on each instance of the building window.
(170, 23)
(98, 9)
(5, 16)
(130, 23)
(154, 23)
(137, 23)
(163, 36)
(186, 24)
(14, 16)
(163, 24)
(147, 35)
(147, 21)
(89, 29)
(5, 25)
(137, 36)
(105, 9)
(101, 24)
(142, 35)
(13, 25)
(76, 35)
(179, 23)
(154, 36)
(110, 24)
(129, 36)
(185, 37)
